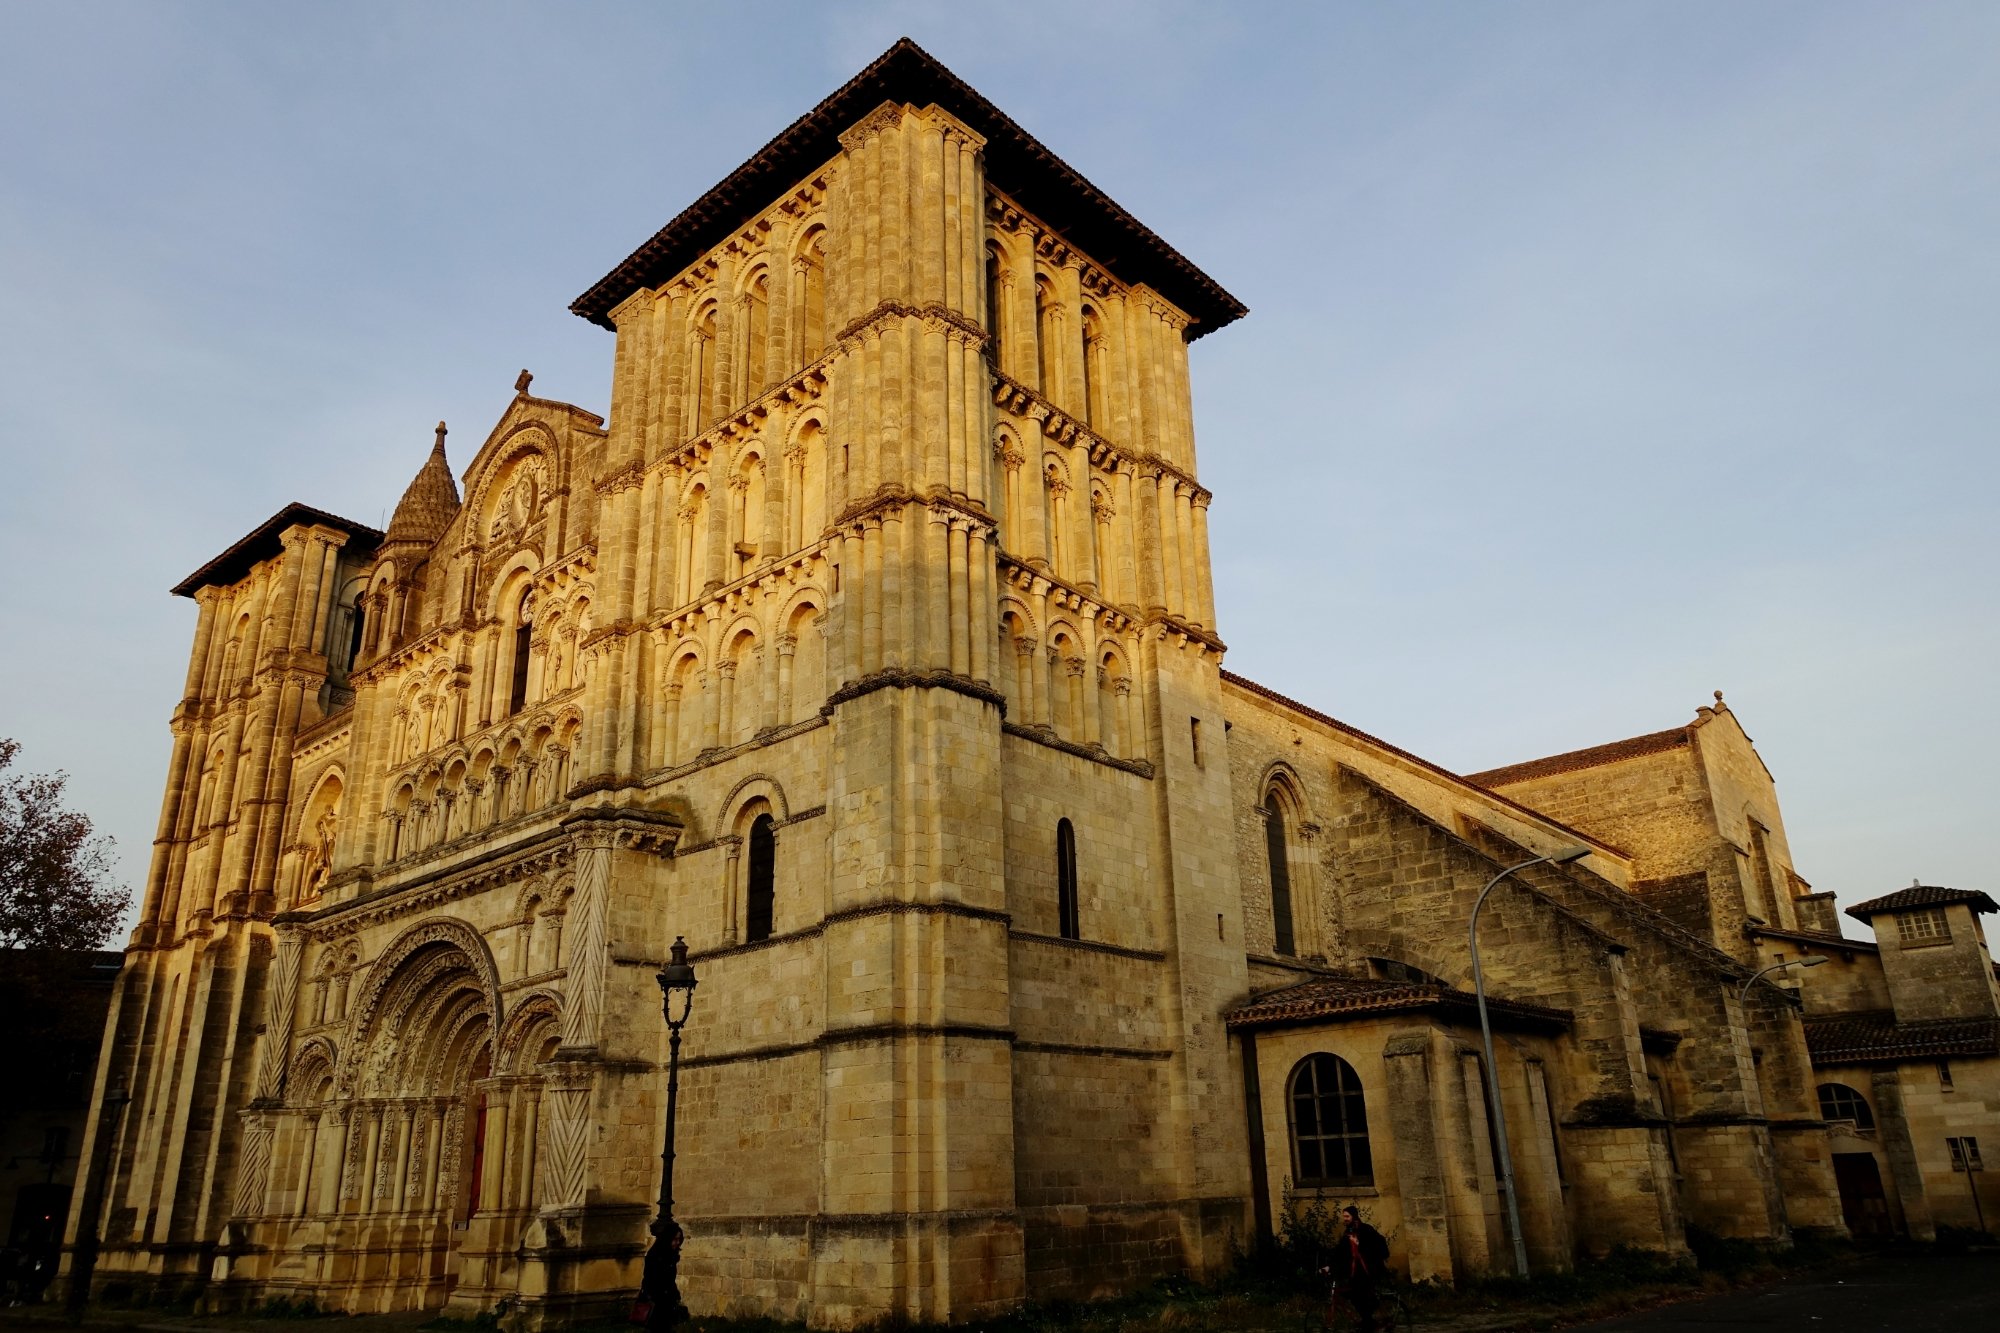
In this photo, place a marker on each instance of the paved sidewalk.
(1916, 1294)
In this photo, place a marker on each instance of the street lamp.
(1809, 960)
(661, 1279)
(1495, 1109)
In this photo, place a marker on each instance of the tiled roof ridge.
(1923, 895)
(1867, 1036)
(1332, 995)
(1571, 761)
(1326, 719)
(1016, 162)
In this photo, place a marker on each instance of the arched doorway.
(415, 1088)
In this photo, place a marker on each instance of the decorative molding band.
(848, 1037)
(1100, 1052)
(897, 907)
(1097, 754)
(710, 757)
(896, 678)
(1089, 946)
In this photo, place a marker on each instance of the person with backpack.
(1360, 1264)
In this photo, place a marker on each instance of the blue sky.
(1600, 355)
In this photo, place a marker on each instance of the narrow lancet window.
(760, 875)
(1281, 877)
(1069, 923)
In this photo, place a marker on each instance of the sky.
(1600, 355)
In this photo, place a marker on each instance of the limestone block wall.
(1933, 978)
(1970, 1106)
(1435, 1193)
(1845, 983)
(1110, 810)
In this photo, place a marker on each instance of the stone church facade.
(870, 645)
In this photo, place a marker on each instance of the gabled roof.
(1016, 162)
(265, 541)
(1872, 1036)
(1922, 895)
(1656, 742)
(1330, 999)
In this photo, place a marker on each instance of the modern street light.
(661, 1279)
(1495, 1109)
(1807, 960)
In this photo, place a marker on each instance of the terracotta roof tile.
(1335, 998)
(1872, 1036)
(1657, 742)
(1922, 895)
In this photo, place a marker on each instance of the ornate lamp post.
(661, 1281)
(1495, 1109)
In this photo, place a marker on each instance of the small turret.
(429, 505)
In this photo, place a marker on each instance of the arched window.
(996, 317)
(524, 636)
(1329, 1124)
(756, 334)
(1066, 907)
(1281, 876)
(1093, 368)
(1837, 1101)
(760, 874)
(1048, 336)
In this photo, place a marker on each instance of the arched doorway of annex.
(418, 1080)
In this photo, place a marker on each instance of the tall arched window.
(1068, 920)
(1093, 368)
(1281, 876)
(1048, 337)
(756, 334)
(760, 875)
(1329, 1124)
(1837, 1101)
(996, 314)
(524, 640)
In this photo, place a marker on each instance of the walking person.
(1360, 1265)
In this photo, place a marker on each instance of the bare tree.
(55, 887)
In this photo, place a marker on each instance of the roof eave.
(244, 551)
(1017, 162)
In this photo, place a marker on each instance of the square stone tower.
(969, 367)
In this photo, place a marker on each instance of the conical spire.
(430, 503)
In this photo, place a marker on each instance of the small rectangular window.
(1925, 926)
(1194, 739)
(1965, 1154)
(1944, 1075)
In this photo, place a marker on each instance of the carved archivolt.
(536, 1016)
(450, 932)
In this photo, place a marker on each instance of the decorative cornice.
(896, 678)
(1041, 734)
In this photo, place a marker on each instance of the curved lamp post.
(1494, 1108)
(1808, 960)
(661, 1279)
